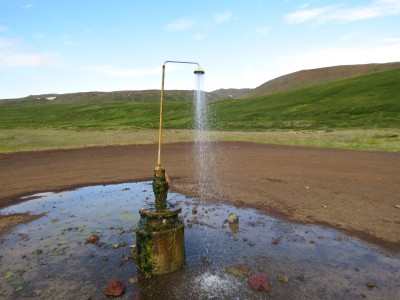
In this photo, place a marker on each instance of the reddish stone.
(276, 241)
(259, 282)
(93, 239)
(114, 288)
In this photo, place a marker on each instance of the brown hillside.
(311, 77)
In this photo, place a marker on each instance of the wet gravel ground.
(50, 258)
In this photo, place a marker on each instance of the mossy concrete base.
(160, 241)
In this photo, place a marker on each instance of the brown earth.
(355, 191)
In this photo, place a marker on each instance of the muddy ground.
(355, 191)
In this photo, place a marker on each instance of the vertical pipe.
(161, 113)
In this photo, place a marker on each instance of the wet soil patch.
(55, 256)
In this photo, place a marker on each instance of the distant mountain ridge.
(136, 96)
(307, 78)
(285, 83)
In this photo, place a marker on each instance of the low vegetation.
(362, 112)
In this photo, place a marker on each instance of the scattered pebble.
(134, 280)
(114, 288)
(371, 285)
(239, 270)
(283, 278)
(301, 277)
(93, 239)
(207, 260)
(259, 282)
(233, 219)
(276, 241)
(397, 206)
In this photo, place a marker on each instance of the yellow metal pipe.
(197, 71)
(161, 118)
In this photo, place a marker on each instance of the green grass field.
(357, 113)
(369, 101)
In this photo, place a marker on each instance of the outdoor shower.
(160, 234)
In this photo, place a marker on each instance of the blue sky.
(50, 46)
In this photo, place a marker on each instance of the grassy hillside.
(106, 115)
(307, 78)
(369, 101)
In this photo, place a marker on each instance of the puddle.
(50, 259)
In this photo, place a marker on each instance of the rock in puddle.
(259, 282)
(114, 288)
(233, 219)
(371, 285)
(276, 241)
(93, 239)
(239, 270)
(283, 278)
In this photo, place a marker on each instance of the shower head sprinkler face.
(199, 71)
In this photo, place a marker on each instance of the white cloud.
(263, 30)
(186, 23)
(350, 37)
(341, 56)
(338, 13)
(390, 40)
(222, 17)
(198, 37)
(124, 72)
(47, 59)
(181, 24)
(39, 36)
(14, 53)
(27, 6)
(305, 15)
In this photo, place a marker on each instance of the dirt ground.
(354, 191)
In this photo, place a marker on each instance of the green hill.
(308, 78)
(368, 101)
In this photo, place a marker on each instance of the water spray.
(198, 71)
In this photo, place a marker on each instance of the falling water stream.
(203, 148)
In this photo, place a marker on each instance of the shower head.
(199, 71)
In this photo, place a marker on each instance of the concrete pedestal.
(160, 241)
